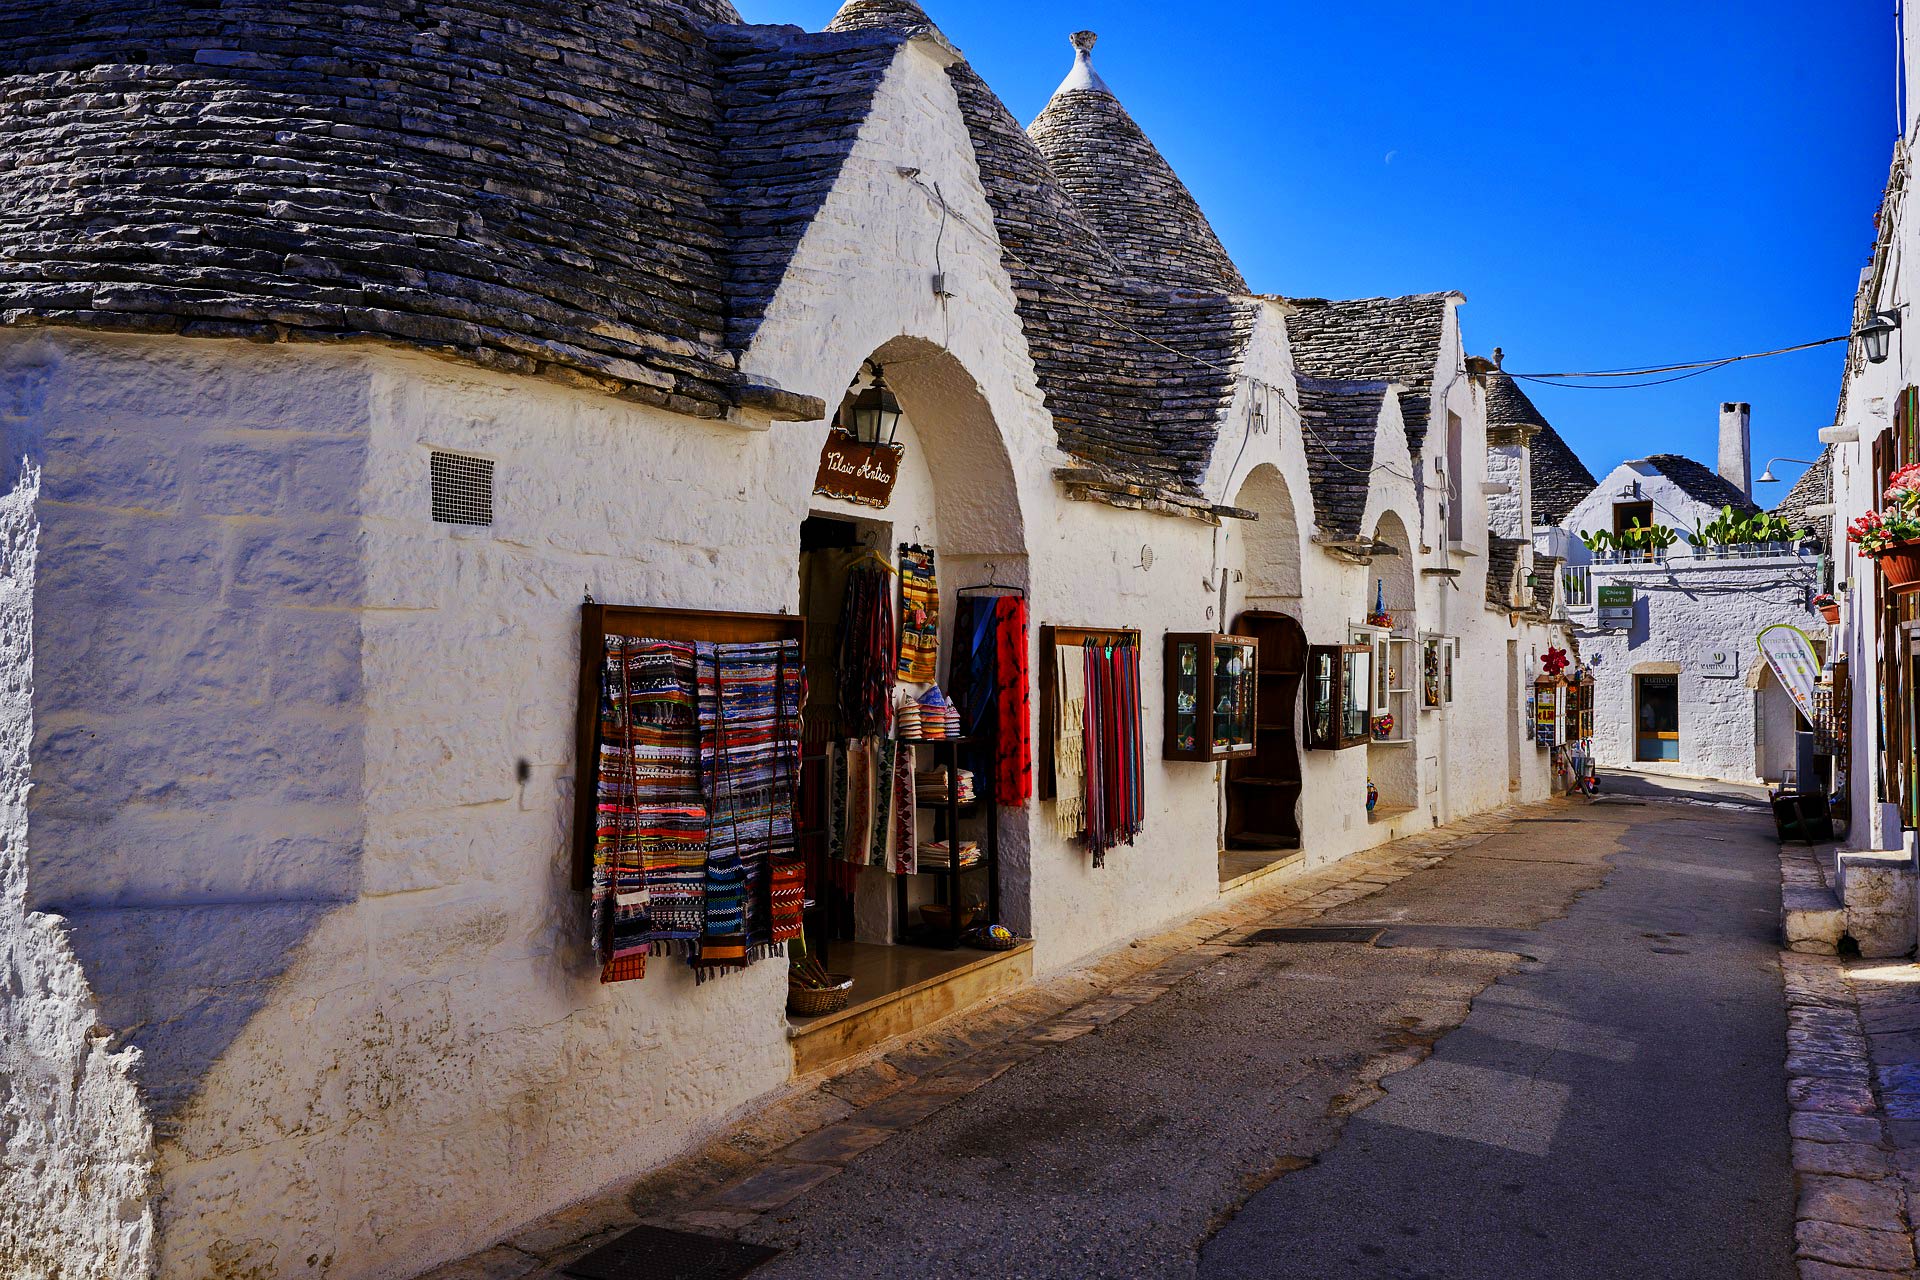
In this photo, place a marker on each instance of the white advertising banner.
(1795, 665)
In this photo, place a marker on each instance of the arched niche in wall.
(1269, 548)
(1393, 763)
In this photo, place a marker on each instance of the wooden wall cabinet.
(1339, 696)
(1211, 683)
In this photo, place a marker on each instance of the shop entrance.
(898, 811)
(1657, 718)
(1263, 792)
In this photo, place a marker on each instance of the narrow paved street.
(1604, 1096)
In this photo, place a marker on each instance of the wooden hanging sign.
(855, 471)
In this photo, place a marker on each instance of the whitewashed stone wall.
(281, 735)
(1686, 613)
(74, 1139)
(1687, 609)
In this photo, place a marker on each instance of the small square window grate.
(462, 489)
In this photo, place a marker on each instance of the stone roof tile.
(1814, 488)
(1702, 484)
(1126, 188)
(465, 181)
(1559, 479)
(1503, 571)
(1340, 419)
(1397, 339)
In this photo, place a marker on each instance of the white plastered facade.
(280, 718)
(1698, 617)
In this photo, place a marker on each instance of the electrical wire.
(1704, 366)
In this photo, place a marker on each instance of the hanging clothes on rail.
(988, 680)
(867, 659)
(919, 616)
(1069, 740)
(650, 849)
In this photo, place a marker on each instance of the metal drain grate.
(1322, 933)
(462, 488)
(654, 1253)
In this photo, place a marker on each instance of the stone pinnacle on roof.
(1126, 188)
(1083, 76)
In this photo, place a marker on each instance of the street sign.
(855, 471)
(1618, 596)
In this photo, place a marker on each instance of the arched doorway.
(1262, 795)
(880, 850)
(1392, 759)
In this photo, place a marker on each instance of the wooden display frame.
(1204, 749)
(1051, 638)
(1337, 738)
(597, 622)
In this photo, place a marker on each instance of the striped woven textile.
(1115, 772)
(749, 709)
(919, 616)
(650, 848)
(789, 898)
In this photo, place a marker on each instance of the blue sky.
(1610, 185)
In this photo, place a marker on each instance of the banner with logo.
(1795, 665)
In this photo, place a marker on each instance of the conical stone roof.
(892, 15)
(1125, 186)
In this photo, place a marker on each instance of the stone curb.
(1851, 1221)
(807, 1136)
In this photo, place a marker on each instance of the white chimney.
(1736, 446)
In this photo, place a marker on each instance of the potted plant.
(1892, 537)
(1829, 608)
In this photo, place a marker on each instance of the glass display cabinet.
(1211, 683)
(1339, 695)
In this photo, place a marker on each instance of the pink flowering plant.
(1879, 531)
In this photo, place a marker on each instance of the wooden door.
(1263, 791)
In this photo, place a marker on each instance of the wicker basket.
(938, 916)
(984, 940)
(808, 1002)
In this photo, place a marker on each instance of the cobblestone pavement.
(1111, 1120)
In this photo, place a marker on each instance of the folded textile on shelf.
(936, 853)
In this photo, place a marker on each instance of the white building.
(320, 422)
(1671, 632)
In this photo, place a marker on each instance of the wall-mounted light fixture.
(1876, 335)
(875, 412)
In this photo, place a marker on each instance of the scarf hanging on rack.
(867, 659)
(650, 848)
(1115, 773)
(749, 704)
(1069, 740)
(989, 681)
(919, 616)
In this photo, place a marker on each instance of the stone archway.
(958, 495)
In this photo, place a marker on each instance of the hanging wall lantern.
(1876, 335)
(875, 412)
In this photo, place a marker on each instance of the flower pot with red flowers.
(1892, 537)
(1829, 608)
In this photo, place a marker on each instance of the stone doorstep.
(808, 1133)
